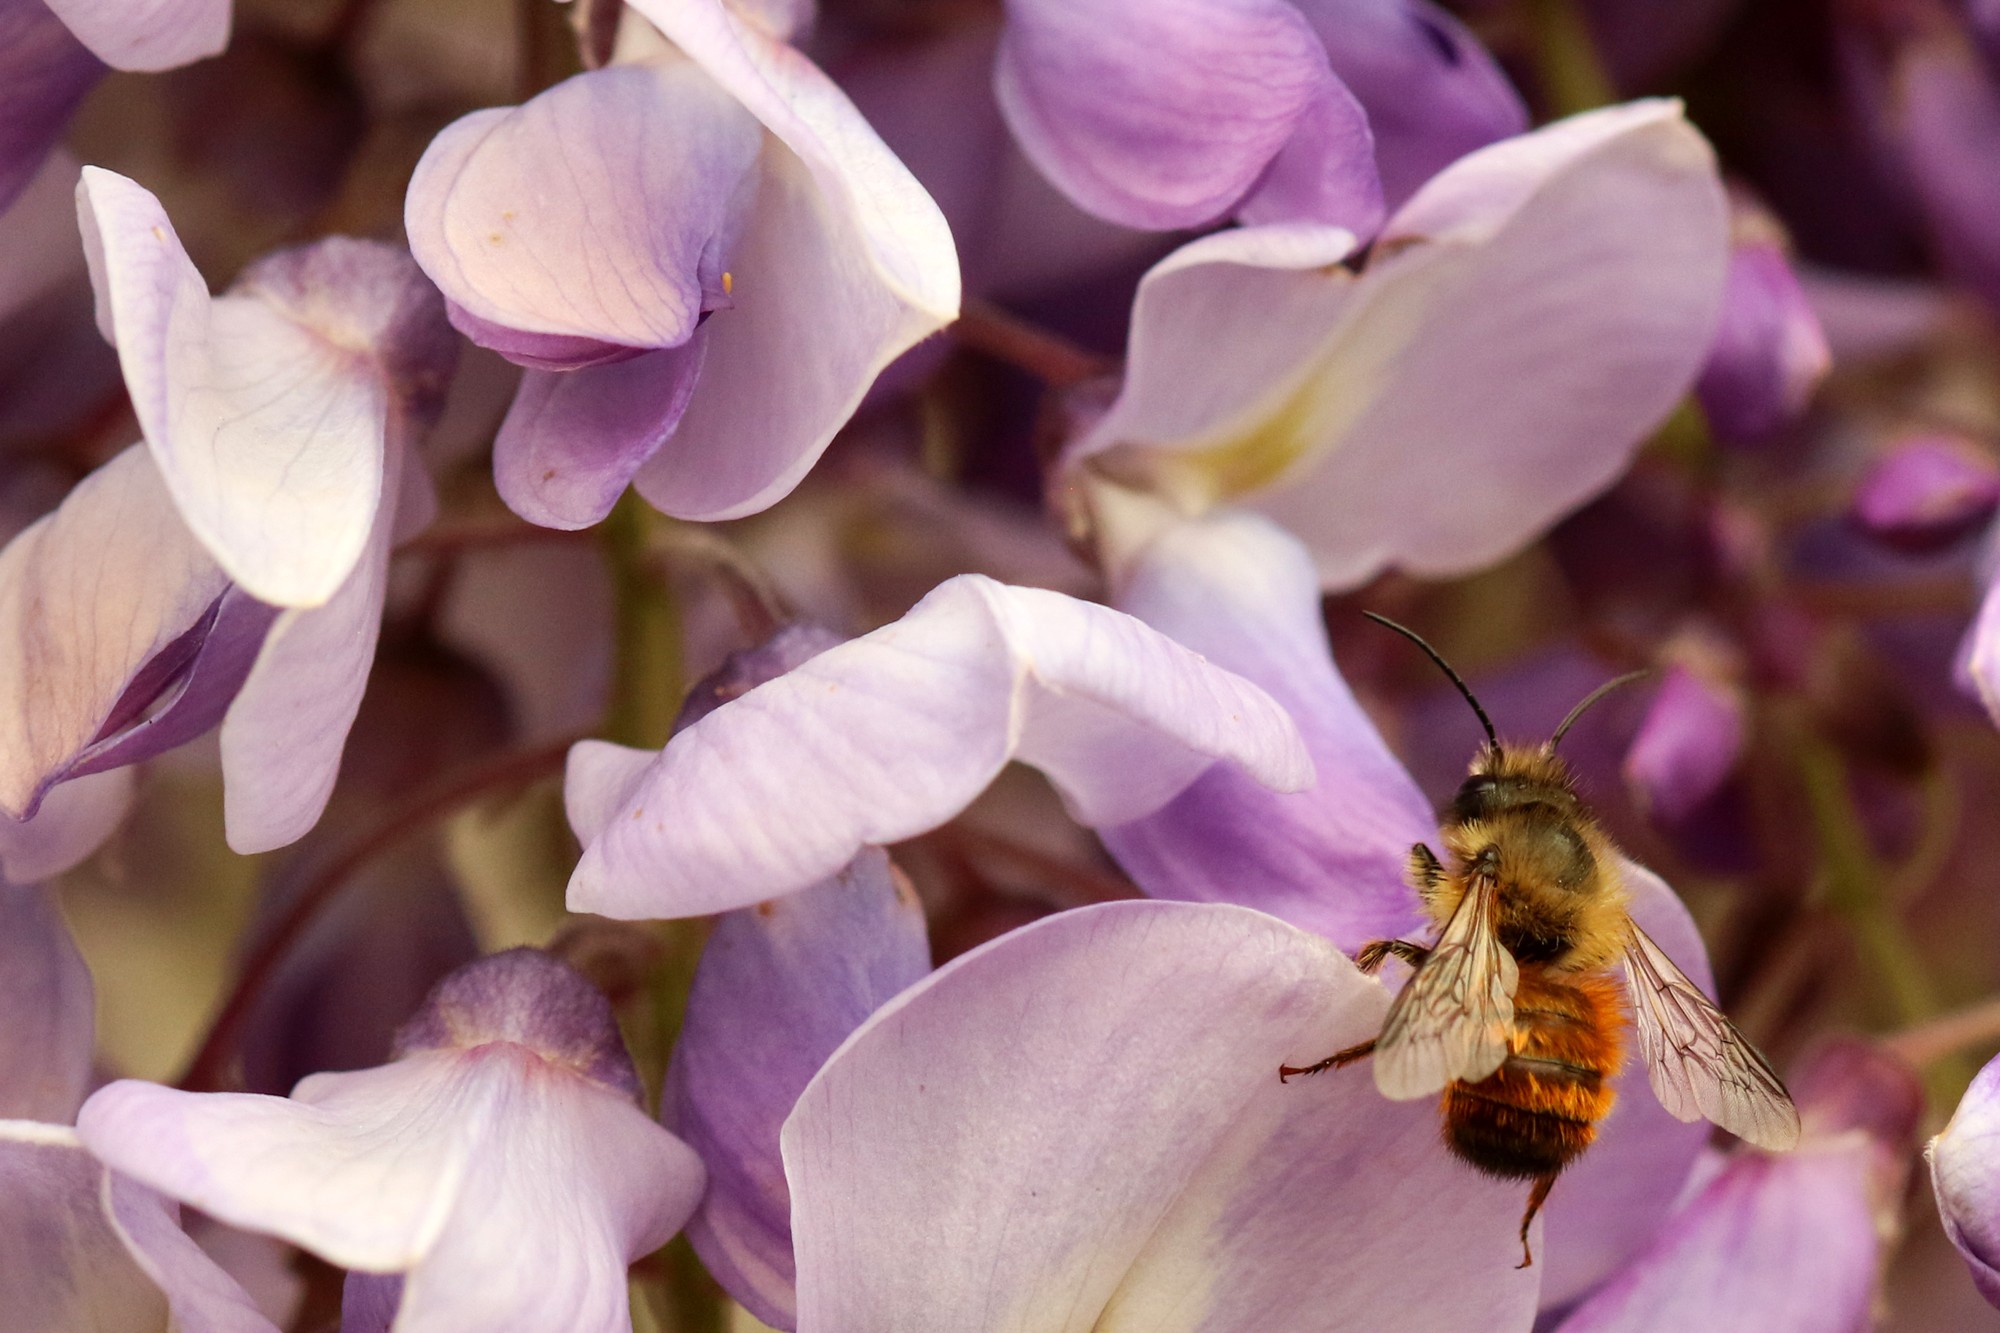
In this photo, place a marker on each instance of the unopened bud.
(1769, 352)
(1927, 492)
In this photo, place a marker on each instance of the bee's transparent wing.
(1455, 1017)
(1698, 1063)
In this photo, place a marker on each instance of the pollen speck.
(549, 475)
(728, 283)
(159, 232)
(494, 238)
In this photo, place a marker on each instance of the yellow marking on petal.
(728, 283)
(494, 238)
(159, 232)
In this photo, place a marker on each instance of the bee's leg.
(1425, 871)
(1536, 1198)
(1334, 1061)
(1371, 955)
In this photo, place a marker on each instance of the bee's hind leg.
(1371, 955)
(1334, 1061)
(1536, 1198)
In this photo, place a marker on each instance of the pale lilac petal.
(202, 1297)
(572, 440)
(63, 1268)
(283, 735)
(1431, 91)
(46, 1011)
(1243, 593)
(94, 601)
(1078, 1126)
(598, 216)
(1769, 352)
(1687, 746)
(1772, 1242)
(434, 1166)
(779, 987)
(1965, 1176)
(847, 264)
(1979, 656)
(269, 433)
(599, 780)
(1927, 492)
(1526, 319)
(147, 35)
(1609, 1206)
(75, 819)
(44, 75)
(1160, 115)
(894, 733)
(1325, 173)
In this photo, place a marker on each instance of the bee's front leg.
(1334, 1061)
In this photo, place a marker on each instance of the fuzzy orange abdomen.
(1541, 1108)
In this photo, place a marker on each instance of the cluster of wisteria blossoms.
(697, 665)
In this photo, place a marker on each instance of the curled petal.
(1243, 593)
(268, 431)
(594, 219)
(101, 604)
(894, 733)
(780, 986)
(1161, 115)
(48, 1009)
(1965, 1176)
(998, 1148)
(149, 35)
(75, 819)
(573, 440)
(434, 1166)
(1525, 319)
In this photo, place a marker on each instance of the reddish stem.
(1050, 357)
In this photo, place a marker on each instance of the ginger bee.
(1515, 1014)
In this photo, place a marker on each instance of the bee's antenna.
(1592, 698)
(1443, 666)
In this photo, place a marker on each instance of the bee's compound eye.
(1475, 797)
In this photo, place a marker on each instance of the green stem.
(646, 683)
(1573, 77)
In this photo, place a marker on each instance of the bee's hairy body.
(1561, 914)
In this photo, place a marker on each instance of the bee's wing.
(1454, 1018)
(1698, 1063)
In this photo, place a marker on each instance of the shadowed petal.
(75, 819)
(62, 1266)
(44, 76)
(202, 1297)
(1325, 173)
(1521, 324)
(573, 440)
(148, 35)
(1076, 1127)
(46, 1011)
(596, 217)
(892, 734)
(780, 986)
(1161, 115)
(1242, 592)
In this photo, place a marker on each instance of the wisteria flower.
(1965, 1180)
(511, 1111)
(1380, 414)
(703, 255)
(234, 568)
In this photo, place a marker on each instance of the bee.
(1515, 1015)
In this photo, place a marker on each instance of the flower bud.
(1769, 352)
(1690, 741)
(1926, 492)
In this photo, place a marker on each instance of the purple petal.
(1325, 173)
(434, 1166)
(1077, 1126)
(893, 734)
(268, 430)
(573, 440)
(1927, 492)
(1161, 115)
(847, 263)
(44, 75)
(1688, 745)
(75, 819)
(148, 36)
(1431, 91)
(46, 1011)
(780, 986)
(62, 1265)
(1965, 1176)
(1610, 1205)
(201, 1296)
(1243, 593)
(1585, 260)
(1769, 352)
(92, 597)
(601, 213)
